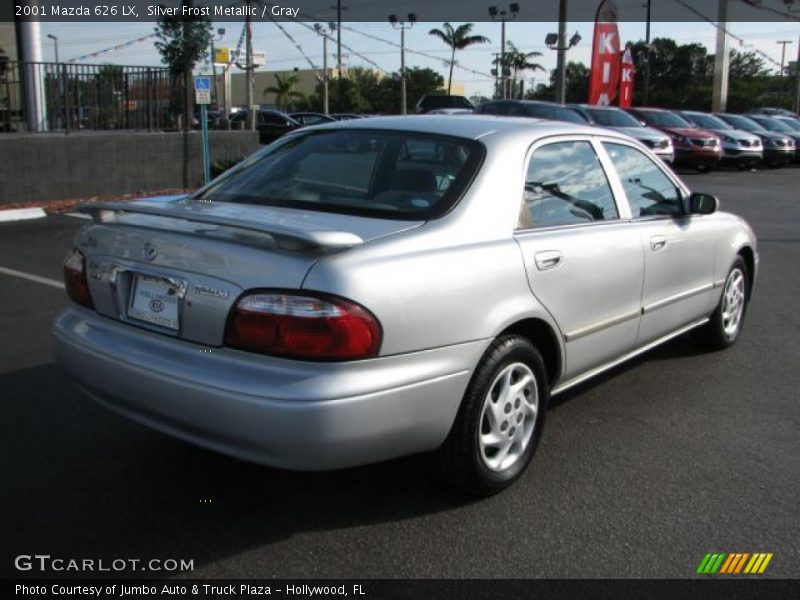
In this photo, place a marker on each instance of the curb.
(21, 214)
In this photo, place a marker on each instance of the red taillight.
(75, 279)
(303, 325)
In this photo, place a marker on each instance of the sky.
(75, 39)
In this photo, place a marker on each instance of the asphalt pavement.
(640, 473)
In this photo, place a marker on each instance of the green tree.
(284, 90)
(518, 62)
(577, 85)
(457, 38)
(182, 41)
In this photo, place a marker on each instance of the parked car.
(311, 118)
(779, 149)
(430, 102)
(739, 147)
(532, 109)
(618, 120)
(694, 147)
(780, 126)
(375, 288)
(271, 124)
(770, 111)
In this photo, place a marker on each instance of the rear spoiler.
(322, 238)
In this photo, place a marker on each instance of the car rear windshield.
(666, 119)
(441, 101)
(612, 118)
(386, 174)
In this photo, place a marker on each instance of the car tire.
(500, 420)
(727, 320)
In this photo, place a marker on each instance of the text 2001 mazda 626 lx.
(382, 287)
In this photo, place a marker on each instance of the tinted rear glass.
(431, 102)
(387, 174)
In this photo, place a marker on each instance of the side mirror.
(703, 204)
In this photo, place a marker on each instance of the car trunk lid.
(176, 266)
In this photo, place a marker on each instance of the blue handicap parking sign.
(202, 84)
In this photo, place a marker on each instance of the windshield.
(740, 122)
(612, 118)
(665, 119)
(791, 123)
(773, 124)
(708, 121)
(387, 174)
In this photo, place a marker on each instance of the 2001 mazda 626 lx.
(382, 287)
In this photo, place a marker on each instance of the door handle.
(548, 259)
(657, 242)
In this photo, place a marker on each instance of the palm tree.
(284, 90)
(519, 61)
(457, 38)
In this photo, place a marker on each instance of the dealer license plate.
(154, 301)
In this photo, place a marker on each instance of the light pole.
(502, 15)
(783, 44)
(55, 43)
(554, 42)
(402, 26)
(325, 79)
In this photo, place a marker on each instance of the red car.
(694, 147)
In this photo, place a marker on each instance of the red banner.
(604, 81)
(626, 79)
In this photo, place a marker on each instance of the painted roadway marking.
(30, 277)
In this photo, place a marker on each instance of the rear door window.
(565, 184)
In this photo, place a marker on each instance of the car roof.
(471, 127)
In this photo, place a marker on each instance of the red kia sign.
(626, 79)
(604, 81)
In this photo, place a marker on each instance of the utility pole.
(719, 97)
(251, 114)
(326, 95)
(646, 99)
(797, 76)
(402, 26)
(494, 13)
(561, 56)
(783, 44)
(339, 9)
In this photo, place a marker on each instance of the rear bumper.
(290, 414)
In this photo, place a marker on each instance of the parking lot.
(641, 472)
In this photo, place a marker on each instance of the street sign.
(202, 90)
(259, 58)
(222, 56)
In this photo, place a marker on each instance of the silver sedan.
(375, 288)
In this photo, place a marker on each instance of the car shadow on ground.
(82, 481)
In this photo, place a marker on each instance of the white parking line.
(43, 280)
(21, 214)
